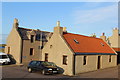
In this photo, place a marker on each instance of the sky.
(83, 18)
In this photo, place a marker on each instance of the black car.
(43, 66)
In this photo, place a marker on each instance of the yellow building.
(25, 44)
(74, 53)
(78, 53)
(114, 41)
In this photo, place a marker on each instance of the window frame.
(65, 59)
(32, 38)
(110, 58)
(31, 51)
(84, 60)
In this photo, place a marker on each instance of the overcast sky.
(79, 17)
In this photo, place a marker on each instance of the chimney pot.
(103, 34)
(58, 23)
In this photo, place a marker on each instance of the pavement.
(20, 71)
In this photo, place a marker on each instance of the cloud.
(96, 14)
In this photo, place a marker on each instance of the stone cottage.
(113, 41)
(25, 44)
(73, 52)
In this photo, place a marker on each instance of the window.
(32, 38)
(109, 58)
(76, 41)
(33, 63)
(50, 46)
(65, 60)
(84, 60)
(46, 56)
(8, 50)
(31, 51)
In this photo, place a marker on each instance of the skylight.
(102, 44)
(76, 41)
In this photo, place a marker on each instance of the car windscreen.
(48, 64)
(3, 56)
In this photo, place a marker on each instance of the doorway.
(98, 65)
(46, 56)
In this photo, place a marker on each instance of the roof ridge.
(84, 36)
(26, 28)
(32, 29)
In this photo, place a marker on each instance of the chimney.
(115, 31)
(93, 35)
(64, 29)
(58, 30)
(16, 23)
(103, 37)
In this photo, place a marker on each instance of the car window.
(38, 63)
(48, 64)
(3, 56)
(33, 63)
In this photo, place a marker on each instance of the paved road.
(13, 71)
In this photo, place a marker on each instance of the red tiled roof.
(86, 44)
(116, 49)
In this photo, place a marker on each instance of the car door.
(38, 66)
(33, 64)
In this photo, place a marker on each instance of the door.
(98, 65)
(46, 56)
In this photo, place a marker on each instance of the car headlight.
(49, 69)
(57, 69)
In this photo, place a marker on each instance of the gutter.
(77, 53)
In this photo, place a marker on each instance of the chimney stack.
(64, 29)
(16, 23)
(58, 30)
(103, 37)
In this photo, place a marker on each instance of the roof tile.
(87, 44)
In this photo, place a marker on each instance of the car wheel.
(29, 70)
(43, 72)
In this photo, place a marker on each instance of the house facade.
(25, 44)
(77, 53)
(74, 53)
(113, 41)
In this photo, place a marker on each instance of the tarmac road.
(13, 71)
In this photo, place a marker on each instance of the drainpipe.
(21, 51)
(74, 59)
(40, 45)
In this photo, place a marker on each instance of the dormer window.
(76, 41)
(32, 38)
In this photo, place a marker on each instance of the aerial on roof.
(86, 44)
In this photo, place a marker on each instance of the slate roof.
(24, 32)
(85, 44)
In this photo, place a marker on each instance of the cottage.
(113, 41)
(73, 52)
(25, 44)
(78, 53)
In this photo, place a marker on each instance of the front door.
(46, 56)
(98, 65)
